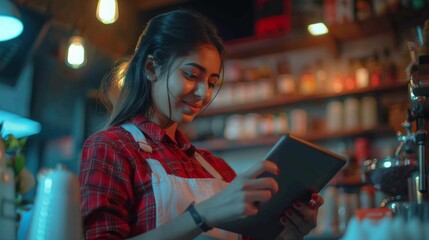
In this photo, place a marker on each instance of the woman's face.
(190, 86)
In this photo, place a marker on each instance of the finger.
(262, 183)
(290, 230)
(258, 196)
(316, 201)
(261, 167)
(305, 215)
(304, 222)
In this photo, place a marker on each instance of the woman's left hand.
(300, 219)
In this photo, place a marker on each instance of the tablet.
(305, 168)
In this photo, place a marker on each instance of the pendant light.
(107, 11)
(317, 29)
(10, 21)
(76, 55)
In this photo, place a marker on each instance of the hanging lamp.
(10, 21)
(107, 11)
(76, 55)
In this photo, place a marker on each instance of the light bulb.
(317, 29)
(107, 11)
(76, 57)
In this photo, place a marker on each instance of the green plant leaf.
(22, 142)
(19, 163)
(13, 143)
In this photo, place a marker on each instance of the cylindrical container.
(7, 204)
(351, 114)
(56, 213)
(334, 121)
(233, 127)
(265, 89)
(299, 122)
(250, 125)
(281, 123)
(218, 126)
(266, 124)
(368, 112)
(286, 84)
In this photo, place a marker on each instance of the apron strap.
(207, 166)
(141, 140)
(138, 136)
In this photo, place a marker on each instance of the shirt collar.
(155, 133)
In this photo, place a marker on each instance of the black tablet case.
(305, 168)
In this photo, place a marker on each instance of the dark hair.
(166, 37)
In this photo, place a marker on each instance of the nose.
(202, 89)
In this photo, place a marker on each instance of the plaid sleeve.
(105, 189)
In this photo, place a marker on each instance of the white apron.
(174, 194)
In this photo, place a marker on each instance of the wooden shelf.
(300, 39)
(256, 46)
(224, 144)
(283, 100)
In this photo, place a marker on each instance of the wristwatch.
(199, 220)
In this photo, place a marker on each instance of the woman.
(142, 178)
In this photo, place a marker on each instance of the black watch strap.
(199, 220)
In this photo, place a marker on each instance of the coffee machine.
(404, 177)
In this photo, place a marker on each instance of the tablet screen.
(305, 168)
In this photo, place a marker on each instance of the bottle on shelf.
(374, 70)
(349, 77)
(321, 76)
(361, 74)
(307, 82)
(363, 9)
(286, 82)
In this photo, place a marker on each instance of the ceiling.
(119, 39)
(116, 39)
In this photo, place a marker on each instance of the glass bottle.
(361, 74)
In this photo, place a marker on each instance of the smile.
(194, 107)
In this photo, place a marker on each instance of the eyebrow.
(201, 68)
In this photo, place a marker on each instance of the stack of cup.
(56, 213)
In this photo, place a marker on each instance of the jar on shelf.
(299, 122)
(351, 113)
(233, 127)
(281, 123)
(368, 112)
(251, 122)
(334, 116)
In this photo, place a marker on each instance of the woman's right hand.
(242, 196)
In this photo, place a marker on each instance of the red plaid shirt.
(116, 188)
